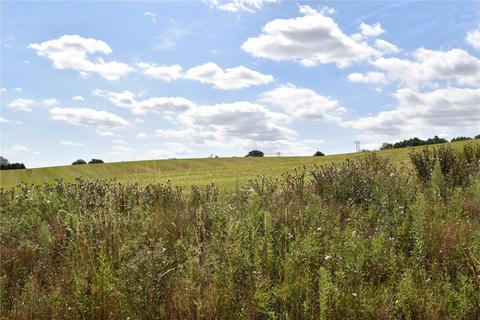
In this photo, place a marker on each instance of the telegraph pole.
(357, 145)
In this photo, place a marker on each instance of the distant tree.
(412, 142)
(386, 146)
(94, 161)
(318, 154)
(12, 166)
(79, 161)
(460, 139)
(477, 136)
(3, 160)
(255, 153)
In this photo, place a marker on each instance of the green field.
(223, 172)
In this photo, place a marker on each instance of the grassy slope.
(224, 172)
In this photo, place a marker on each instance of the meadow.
(368, 237)
(226, 173)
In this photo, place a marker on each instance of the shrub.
(255, 153)
(79, 161)
(12, 166)
(318, 154)
(461, 139)
(93, 161)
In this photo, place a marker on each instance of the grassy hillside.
(224, 172)
(361, 239)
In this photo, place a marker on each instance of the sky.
(133, 80)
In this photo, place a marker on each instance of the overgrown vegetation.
(361, 239)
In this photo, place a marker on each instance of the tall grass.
(358, 240)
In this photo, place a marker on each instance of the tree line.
(415, 142)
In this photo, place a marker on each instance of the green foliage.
(79, 161)
(359, 239)
(255, 153)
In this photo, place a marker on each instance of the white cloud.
(228, 79)
(140, 121)
(152, 16)
(73, 52)
(239, 5)
(369, 77)
(368, 30)
(71, 143)
(78, 98)
(171, 150)
(125, 99)
(304, 103)
(18, 89)
(50, 102)
(165, 106)
(386, 47)
(429, 66)
(119, 141)
(104, 133)
(15, 149)
(310, 39)
(3, 120)
(229, 125)
(441, 110)
(166, 73)
(141, 135)
(121, 150)
(87, 117)
(22, 104)
(473, 38)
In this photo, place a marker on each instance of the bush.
(255, 153)
(318, 154)
(413, 142)
(461, 139)
(94, 161)
(12, 166)
(79, 161)
(455, 166)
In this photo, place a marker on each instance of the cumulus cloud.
(311, 39)
(152, 16)
(237, 124)
(371, 30)
(386, 47)
(228, 79)
(15, 149)
(87, 117)
(78, 98)
(71, 143)
(120, 150)
(166, 73)
(165, 106)
(239, 5)
(304, 103)
(119, 141)
(473, 38)
(369, 77)
(171, 150)
(439, 110)
(50, 102)
(22, 104)
(141, 135)
(428, 66)
(3, 120)
(74, 52)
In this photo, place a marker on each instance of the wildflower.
(328, 257)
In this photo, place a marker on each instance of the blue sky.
(149, 80)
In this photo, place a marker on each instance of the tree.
(255, 153)
(477, 136)
(318, 154)
(79, 161)
(461, 139)
(12, 166)
(3, 160)
(94, 161)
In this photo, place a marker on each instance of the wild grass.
(359, 239)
